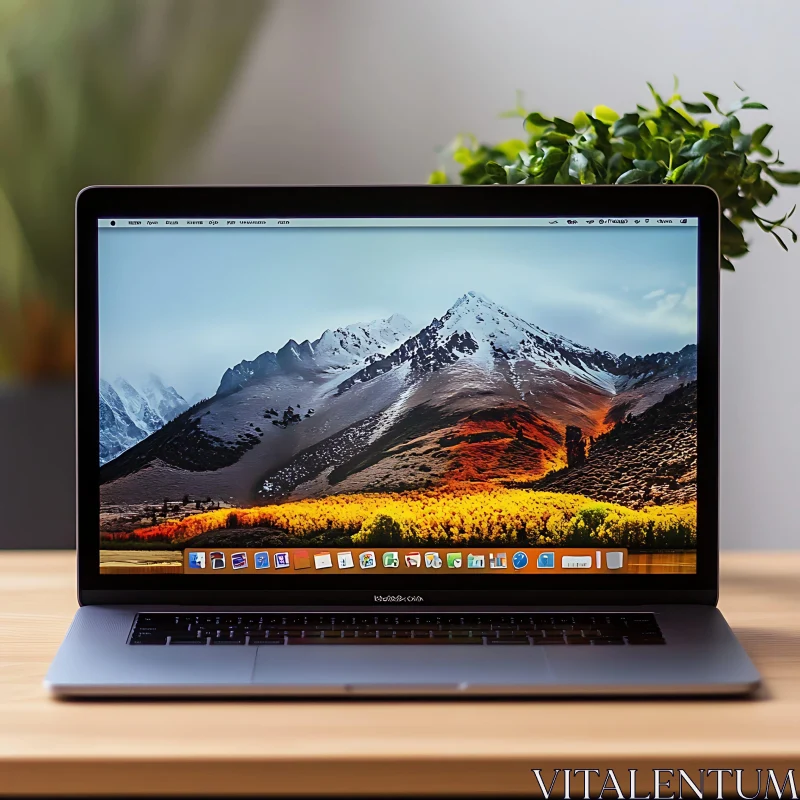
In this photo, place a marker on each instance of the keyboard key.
(149, 638)
(509, 640)
(423, 629)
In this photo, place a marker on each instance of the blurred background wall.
(365, 91)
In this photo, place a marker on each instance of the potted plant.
(675, 141)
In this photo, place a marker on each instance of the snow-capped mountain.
(340, 349)
(478, 391)
(118, 431)
(137, 408)
(164, 400)
(127, 415)
(478, 328)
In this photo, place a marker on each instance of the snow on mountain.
(164, 400)
(342, 349)
(501, 335)
(478, 328)
(118, 431)
(369, 389)
(128, 415)
(137, 408)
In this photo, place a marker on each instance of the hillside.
(650, 459)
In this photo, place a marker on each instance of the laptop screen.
(428, 396)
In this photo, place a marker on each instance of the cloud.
(652, 295)
(668, 302)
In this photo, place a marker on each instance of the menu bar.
(142, 223)
(385, 561)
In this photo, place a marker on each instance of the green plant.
(664, 144)
(93, 92)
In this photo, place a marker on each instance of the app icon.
(367, 560)
(519, 560)
(345, 560)
(433, 561)
(217, 560)
(498, 561)
(282, 560)
(476, 561)
(613, 559)
(391, 560)
(302, 560)
(576, 562)
(546, 561)
(239, 560)
(413, 559)
(261, 560)
(197, 560)
(454, 560)
(323, 560)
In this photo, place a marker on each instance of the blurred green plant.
(93, 92)
(665, 144)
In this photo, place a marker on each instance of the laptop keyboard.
(495, 630)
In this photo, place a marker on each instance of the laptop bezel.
(359, 590)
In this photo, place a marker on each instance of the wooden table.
(351, 747)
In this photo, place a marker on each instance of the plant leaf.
(605, 114)
(496, 172)
(562, 126)
(788, 177)
(656, 96)
(754, 105)
(694, 169)
(535, 118)
(760, 133)
(578, 164)
(633, 176)
(511, 148)
(732, 239)
(437, 177)
(553, 156)
(581, 120)
(696, 108)
(714, 100)
(751, 173)
(726, 264)
(627, 131)
(562, 176)
(704, 146)
(676, 145)
(742, 143)
(730, 124)
(514, 174)
(646, 165)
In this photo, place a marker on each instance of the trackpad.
(375, 667)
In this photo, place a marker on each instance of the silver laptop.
(398, 440)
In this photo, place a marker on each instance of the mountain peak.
(479, 329)
(398, 322)
(472, 300)
(345, 348)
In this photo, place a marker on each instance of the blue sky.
(187, 304)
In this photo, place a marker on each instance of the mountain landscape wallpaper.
(458, 416)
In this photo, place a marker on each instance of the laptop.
(446, 441)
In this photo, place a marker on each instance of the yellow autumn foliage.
(452, 516)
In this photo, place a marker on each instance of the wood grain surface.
(372, 747)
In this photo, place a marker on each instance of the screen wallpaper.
(398, 398)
